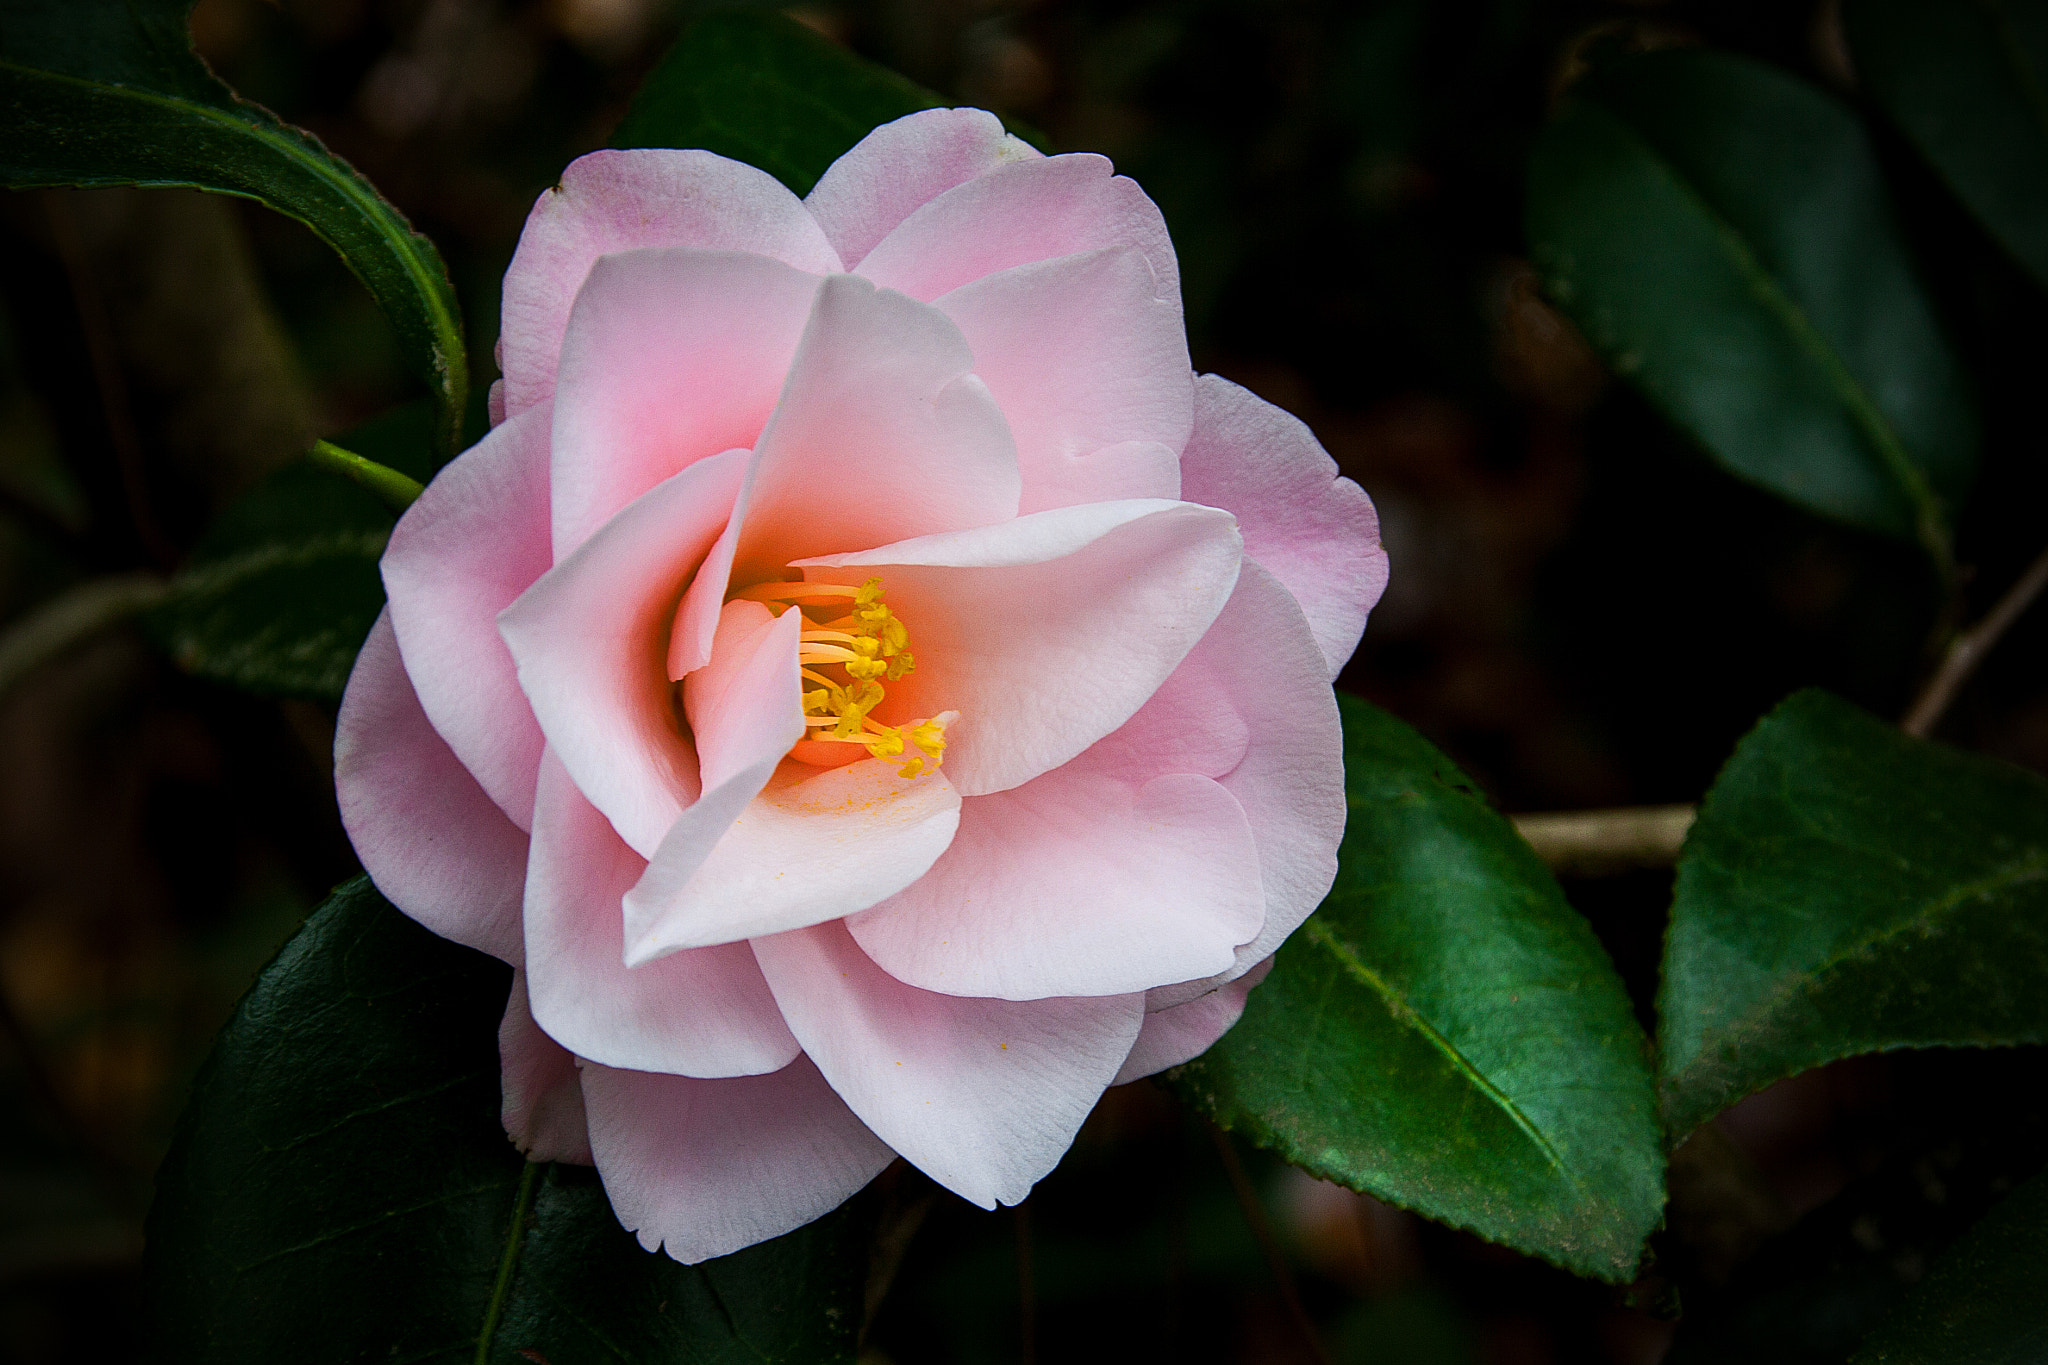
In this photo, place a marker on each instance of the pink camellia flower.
(871, 691)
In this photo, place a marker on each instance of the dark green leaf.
(341, 1190)
(110, 92)
(764, 89)
(1985, 1303)
(1846, 890)
(282, 590)
(1445, 1032)
(1721, 232)
(1968, 81)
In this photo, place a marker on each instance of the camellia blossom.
(870, 690)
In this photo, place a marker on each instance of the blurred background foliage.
(1584, 612)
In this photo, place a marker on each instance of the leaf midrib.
(1318, 931)
(396, 238)
(2033, 865)
(1929, 525)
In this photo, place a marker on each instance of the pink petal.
(1089, 362)
(881, 434)
(590, 641)
(1020, 213)
(617, 201)
(1291, 781)
(1076, 883)
(817, 844)
(475, 540)
(704, 1168)
(984, 1096)
(899, 166)
(701, 1013)
(1185, 1032)
(670, 357)
(1048, 632)
(543, 1096)
(432, 841)
(1315, 531)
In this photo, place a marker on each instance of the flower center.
(851, 643)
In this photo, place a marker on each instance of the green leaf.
(110, 92)
(1721, 232)
(1968, 82)
(341, 1190)
(763, 89)
(1985, 1302)
(1848, 889)
(280, 593)
(1445, 1032)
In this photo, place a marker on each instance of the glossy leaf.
(1721, 232)
(110, 92)
(764, 89)
(341, 1190)
(1847, 889)
(1445, 1033)
(1968, 82)
(1985, 1302)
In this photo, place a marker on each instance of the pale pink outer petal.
(432, 841)
(881, 434)
(700, 1013)
(1291, 780)
(476, 539)
(670, 357)
(817, 844)
(542, 1103)
(1048, 632)
(703, 1168)
(612, 201)
(1076, 883)
(1185, 1032)
(1016, 214)
(1313, 530)
(590, 640)
(983, 1096)
(899, 166)
(1089, 362)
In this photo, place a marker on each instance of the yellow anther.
(868, 593)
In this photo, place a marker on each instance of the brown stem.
(1595, 843)
(1968, 649)
(1255, 1216)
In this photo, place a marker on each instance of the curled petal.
(613, 201)
(701, 1013)
(984, 1096)
(476, 539)
(1076, 883)
(1048, 632)
(1185, 1032)
(670, 357)
(881, 434)
(590, 641)
(1089, 363)
(1313, 530)
(899, 166)
(1028, 211)
(816, 844)
(543, 1095)
(703, 1168)
(432, 841)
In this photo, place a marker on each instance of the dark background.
(1583, 612)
